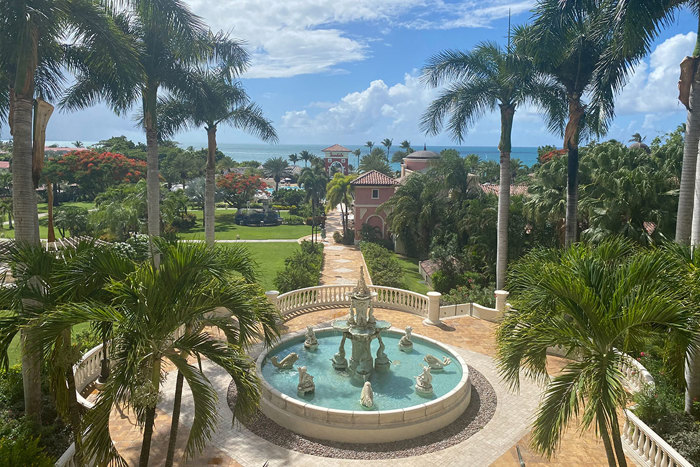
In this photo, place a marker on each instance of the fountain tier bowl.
(333, 412)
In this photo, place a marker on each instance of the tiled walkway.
(341, 263)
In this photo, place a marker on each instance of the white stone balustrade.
(648, 448)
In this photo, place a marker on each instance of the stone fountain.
(361, 328)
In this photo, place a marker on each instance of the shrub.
(141, 245)
(471, 293)
(384, 267)
(185, 222)
(337, 237)
(24, 451)
(294, 220)
(302, 268)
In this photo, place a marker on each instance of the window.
(375, 194)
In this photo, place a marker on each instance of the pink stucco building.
(371, 190)
(418, 161)
(336, 159)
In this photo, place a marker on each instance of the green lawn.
(270, 258)
(13, 351)
(226, 229)
(414, 281)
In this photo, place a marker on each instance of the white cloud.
(381, 110)
(293, 37)
(652, 87)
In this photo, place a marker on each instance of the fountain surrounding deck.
(369, 398)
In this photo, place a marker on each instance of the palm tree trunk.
(150, 417)
(688, 220)
(571, 144)
(617, 441)
(152, 180)
(31, 376)
(23, 194)
(507, 112)
(175, 425)
(210, 187)
(51, 237)
(605, 436)
(73, 406)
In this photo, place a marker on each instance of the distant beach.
(262, 152)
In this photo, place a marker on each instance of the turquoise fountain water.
(393, 388)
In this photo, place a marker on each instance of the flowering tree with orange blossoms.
(238, 189)
(93, 171)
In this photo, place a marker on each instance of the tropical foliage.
(593, 303)
(237, 189)
(302, 268)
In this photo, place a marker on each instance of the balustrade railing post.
(433, 318)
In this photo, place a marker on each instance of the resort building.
(371, 190)
(418, 161)
(336, 159)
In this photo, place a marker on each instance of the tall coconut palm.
(593, 303)
(314, 181)
(32, 58)
(209, 100)
(574, 46)
(277, 168)
(387, 142)
(406, 146)
(487, 77)
(370, 145)
(171, 39)
(293, 158)
(149, 308)
(339, 192)
(376, 160)
(305, 156)
(639, 23)
(357, 152)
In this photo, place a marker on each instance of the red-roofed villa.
(371, 190)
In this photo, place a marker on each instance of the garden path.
(341, 263)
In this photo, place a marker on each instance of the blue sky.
(346, 71)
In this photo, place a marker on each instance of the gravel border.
(478, 414)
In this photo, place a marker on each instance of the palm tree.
(387, 144)
(314, 181)
(211, 99)
(639, 24)
(482, 79)
(637, 138)
(573, 46)
(357, 153)
(406, 146)
(339, 192)
(306, 156)
(276, 168)
(594, 303)
(171, 39)
(370, 145)
(414, 212)
(32, 62)
(149, 308)
(376, 160)
(293, 158)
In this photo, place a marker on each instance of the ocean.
(262, 152)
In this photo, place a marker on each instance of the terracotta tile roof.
(374, 178)
(514, 189)
(336, 148)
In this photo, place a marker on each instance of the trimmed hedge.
(383, 266)
(302, 268)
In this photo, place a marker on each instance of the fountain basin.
(334, 412)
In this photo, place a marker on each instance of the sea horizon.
(261, 152)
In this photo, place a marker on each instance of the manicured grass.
(414, 281)
(270, 258)
(226, 229)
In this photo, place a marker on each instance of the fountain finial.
(361, 290)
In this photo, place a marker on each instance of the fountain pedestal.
(361, 328)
